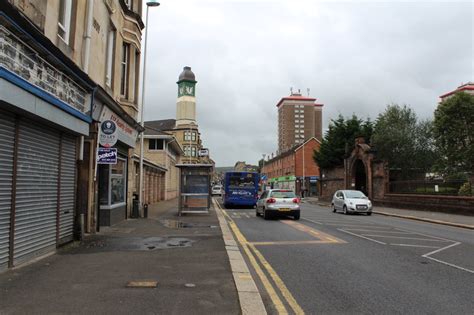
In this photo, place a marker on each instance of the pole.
(142, 123)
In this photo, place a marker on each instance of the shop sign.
(313, 179)
(107, 156)
(203, 152)
(108, 134)
(126, 133)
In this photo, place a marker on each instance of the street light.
(142, 122)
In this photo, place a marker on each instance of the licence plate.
(284, 209)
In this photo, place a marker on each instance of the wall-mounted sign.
(107, 156)
(126, 133)
(203, 152)
(108, 133)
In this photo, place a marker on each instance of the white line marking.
(444, 262)
(367, 238)
(411, 245)
(364, 230)
(440, 238)
(406, 238)
(358, 225)
(312, 221)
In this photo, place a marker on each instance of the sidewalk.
(455, 220)
(186, 256)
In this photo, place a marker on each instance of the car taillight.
(271, 200)
(296, 200)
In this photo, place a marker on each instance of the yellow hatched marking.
(325, 238)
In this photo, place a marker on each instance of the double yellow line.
(257, 259)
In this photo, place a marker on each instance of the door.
(36, 191)
(7, 142)
(338, 200)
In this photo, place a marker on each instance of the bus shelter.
(194, 188)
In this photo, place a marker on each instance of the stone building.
(65, 66)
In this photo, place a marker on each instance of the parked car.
(216, 190)
(351, 201)
(278, 201)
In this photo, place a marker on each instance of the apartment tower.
(299, 119)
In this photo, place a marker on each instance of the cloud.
(356, 57)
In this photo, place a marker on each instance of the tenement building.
(65, 67)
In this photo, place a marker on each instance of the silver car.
(216, 190)
(278, 201)
(351, 201)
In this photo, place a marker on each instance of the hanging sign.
(108, 133)
(107, 156)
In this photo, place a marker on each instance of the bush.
(465, 189)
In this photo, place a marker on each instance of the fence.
(432, 187)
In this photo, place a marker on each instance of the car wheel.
(296, 216)
(266, 215)
(369, 213)
(345, 209)
(334, 208)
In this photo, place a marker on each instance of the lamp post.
(142, 122)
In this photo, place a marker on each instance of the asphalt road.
(332, 263)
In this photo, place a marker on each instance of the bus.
(240, 189)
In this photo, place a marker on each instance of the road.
(333, 263)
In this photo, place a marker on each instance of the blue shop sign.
(107, 156)
(313, 179)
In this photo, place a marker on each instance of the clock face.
(181, 90)
(189, 90)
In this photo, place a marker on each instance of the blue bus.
(240, 189)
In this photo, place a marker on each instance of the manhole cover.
(142, 284)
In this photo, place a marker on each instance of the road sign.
(108, 134)
(107, 156)
(203, 152)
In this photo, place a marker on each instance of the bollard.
(145, 210)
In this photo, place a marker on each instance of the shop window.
(156, 144)
(112, 183)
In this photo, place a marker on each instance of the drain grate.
(150, 284)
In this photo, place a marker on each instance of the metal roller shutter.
(68, 189)
(36, 191)
(7, 141)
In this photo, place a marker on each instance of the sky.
(355, 57)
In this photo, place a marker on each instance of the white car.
(216, 190)
(278, 201)
(351, 201)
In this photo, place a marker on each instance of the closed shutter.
(36, 191)
(7, 140)
(68, 189)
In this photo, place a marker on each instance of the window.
(189, 136)
(64, 20)
(110, 56)
(112, 183)
(156, 144)
(124, 70)
(129, 4)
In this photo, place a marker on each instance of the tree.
(403, 141)
(454, 133)
(338, 141)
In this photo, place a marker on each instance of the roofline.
(295, 98)
(299, 147)
(459, 89)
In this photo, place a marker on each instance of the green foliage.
(465, 189)
(403, 141)
(339, 140)
(454, 133)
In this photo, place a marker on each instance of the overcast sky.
(354, 56)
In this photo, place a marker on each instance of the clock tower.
(186, 103)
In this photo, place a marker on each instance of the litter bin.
(145, 210)
(135, 207)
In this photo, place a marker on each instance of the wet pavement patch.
(175, 224)
(138, 244)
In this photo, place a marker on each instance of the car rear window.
(283, 194)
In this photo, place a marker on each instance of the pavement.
(161, 265)
(456, 220)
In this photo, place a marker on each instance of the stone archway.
(359, 176)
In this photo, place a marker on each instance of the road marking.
(248, 248)
(395, 232)
(406, 238)
(312, 221)
(318, 234)
(411, 245)
(358, 225)
(367, 238)
(279, 283)
(289, 243)
(444, 262)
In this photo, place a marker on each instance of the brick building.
(295, 168)
(467, 88)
